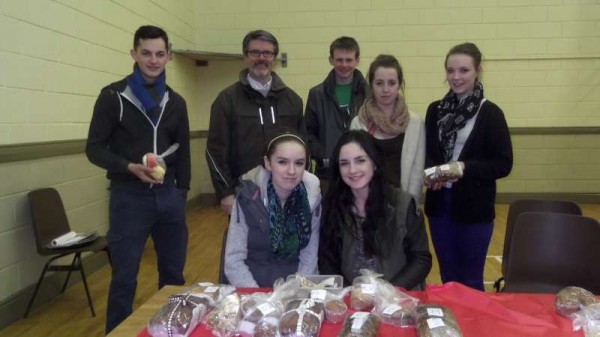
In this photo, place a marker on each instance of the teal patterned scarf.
(290, 226)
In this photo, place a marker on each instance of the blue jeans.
(460, 248)
(135, 213)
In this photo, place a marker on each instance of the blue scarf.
(290, 226)
(149, 94)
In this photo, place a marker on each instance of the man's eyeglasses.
(257, 53)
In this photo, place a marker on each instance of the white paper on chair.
(71, 239)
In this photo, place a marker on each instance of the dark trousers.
(461, 249)
(135, 213)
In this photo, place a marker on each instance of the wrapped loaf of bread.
(441, 173)
(179, 317)
(436, 321)
(224, 319)
(211, 293)
(360, 324)
(318, 308)
(572, 299)
(299, 323)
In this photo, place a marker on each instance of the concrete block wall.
(55, 57)
(541, 63)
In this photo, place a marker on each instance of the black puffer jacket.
(242, 121)
(326, 121)
(121, 133)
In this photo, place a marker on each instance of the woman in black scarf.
(465, 128)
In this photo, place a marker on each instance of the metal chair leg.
(37, 287)
(69, 273)
(87, 290)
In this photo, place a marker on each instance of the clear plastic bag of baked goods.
(300, 323)
(569, 300)
(333, 302)
(179, 317)
(223, 320)
(436, 321)
(364, 289)
(588, 319)
(211, 293)
(395, 307)
(261, 316)
(441, 173)
(157, 162)
(360, 324)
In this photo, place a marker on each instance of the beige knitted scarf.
(372, 116)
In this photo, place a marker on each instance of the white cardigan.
(412, 160)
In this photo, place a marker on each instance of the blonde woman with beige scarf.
(399, 134)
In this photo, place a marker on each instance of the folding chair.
(49, 222)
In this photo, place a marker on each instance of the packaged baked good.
(299, 323)
(360, 324)
(436, 321)
(262, 319)
(224, 319)
(179, 317)
(442, 173)
(317, 307)
(211, 293)
(335, 310)
(572, 299)
(364, 287)
(437, 327)
(588, 319)
(393, 306)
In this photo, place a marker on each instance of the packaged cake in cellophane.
(261, 313)
(208, 292)
(364, 290)
(178, 318)
(393, 306)
(582, 307)
(569, 300)
(360, 324)
(223, 320)
(442, 173)
(436, 321)
(588, 319)
(300, 322)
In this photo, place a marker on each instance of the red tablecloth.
(479, 314)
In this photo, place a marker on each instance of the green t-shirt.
(343, 93)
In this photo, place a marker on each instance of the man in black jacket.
(332, 104)
(247, 114)
(135, 118)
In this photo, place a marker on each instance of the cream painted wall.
(542, 63)
(55, 56)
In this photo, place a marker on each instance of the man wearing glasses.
(248, 113)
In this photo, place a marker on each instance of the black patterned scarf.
(453, 115)
(289, 227)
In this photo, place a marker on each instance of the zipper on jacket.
(272, 115)
(261, 116)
